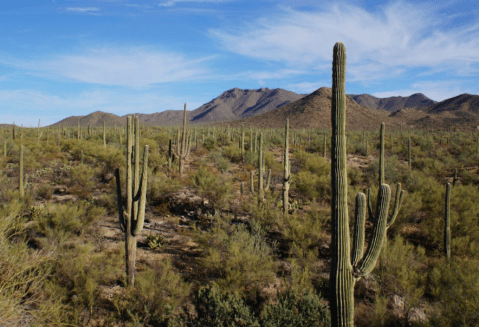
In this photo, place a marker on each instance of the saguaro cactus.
(346, 270)
(184, 151)
(20, 178)
(132, 219)
(447, 225)
(287, 171)
(260, 166)
(104, 135)
(408, 154)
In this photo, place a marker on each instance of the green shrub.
(242, 260)
(81, 182)
(293, 310)
(233, 153)
(456, 288)
(400, 271)
(209, 144)
(212, 187)
(214, 309)
(58, 221)
(159, 294)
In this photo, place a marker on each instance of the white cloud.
(82, 9)
(399, 36)
(170, 3)
(133, 67)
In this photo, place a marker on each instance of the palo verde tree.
(346, 269)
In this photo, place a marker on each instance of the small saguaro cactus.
(78, 129)
(132, 218)
(447, 224)
(347, 269)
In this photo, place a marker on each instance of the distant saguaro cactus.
(132, 219)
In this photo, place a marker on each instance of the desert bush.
(401, 271)
(464, 223)
(212, 187)
(81, 182)
(233, 153)
(222, 164)
(58, 221)
(209, 144)
(215, 309)
(80, 271)
(293, 310)
(44, 191)
(25, 298)
(160, 186)
(158, 297)
(241, 259)
(456, 288)
(311, 185)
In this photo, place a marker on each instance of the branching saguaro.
(346, 269)
(132, 218)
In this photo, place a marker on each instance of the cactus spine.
(132, 219)
(347, 269)
(287, 173)
(447, 225)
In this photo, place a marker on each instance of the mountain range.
(270, 107)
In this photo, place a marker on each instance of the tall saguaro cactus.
(184, 151)
(20, 178)
(447, 225)
(287, 170)
(132, 218)
(347, 269)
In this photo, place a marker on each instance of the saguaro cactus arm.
(368, 262)
(359, 223)
(139, 221)
(120, 203)
(397, 205)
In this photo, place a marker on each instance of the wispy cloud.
(398, 36)
(133, 67)
(82, 9)
(170, 3)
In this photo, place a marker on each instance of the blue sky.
(71, 57)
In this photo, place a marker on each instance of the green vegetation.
(215, 254)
